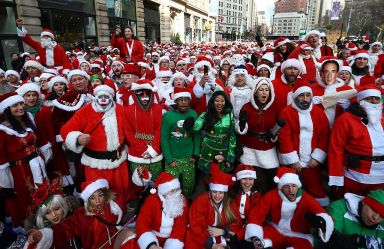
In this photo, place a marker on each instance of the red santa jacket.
(153, 225)
(309, 72)
(48, 57)
(137, 48)
(305, 135)
(351, 135)
(320, 89)
(142, 129)
(282, 92)
(202, 215)
(251, 69)
(245, 202)
(286, 216)
(106, 130)
(379, 67)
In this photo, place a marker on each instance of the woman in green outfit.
(217, 126)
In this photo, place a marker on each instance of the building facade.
(286, 6)
(232, 18)
(289, 24)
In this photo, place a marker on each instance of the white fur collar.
(352, 202)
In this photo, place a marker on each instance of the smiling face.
(262, 94)
(217, 196)
(17, 110)
(79, 83)
(344, 75)
(219, 103)
(128, 33)
(290, 191)
(31, 99)
(55, 214)
(247, 184)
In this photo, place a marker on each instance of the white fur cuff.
(253, 230)
(319, 155)
(289, 158)
(71, 141)
(146, 239)
(329, 226)
(173, 244)
(152, 151)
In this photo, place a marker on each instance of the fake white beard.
(374, 111)
(174, 204)
(47, 43)
(98, 107)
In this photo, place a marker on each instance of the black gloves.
(209, 243)
(316, 221)
(188, 123)
(243, 118)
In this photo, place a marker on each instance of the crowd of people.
(265, 144)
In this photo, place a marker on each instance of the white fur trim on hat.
(361, 55)
(78, 72)
(368, 93)
(291, 63)
(263, 66)
(28, 87)
(377, 43)
(346, 68)
(146, 86)
(269, 57)
(300, 90)
(57, 79)
(218, 187)
(165, 73)
(166, 187)
(165, 57)
(217, 57)
(35, 64)
(117, 62)
(47, 34)
(246, 174)
(240, 71)
(103, 89)
(94, 65)
(46, 76)
(287, 178)
(312, 32)
(12, 72)
(203, 63)
(10, 101)
(92, 188)
(286, 40)
(182, 94)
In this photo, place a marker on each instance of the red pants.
(311, 180)
(117, 178)
(351, 186)
(279, 241)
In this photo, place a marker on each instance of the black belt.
(105, 155)
(368, 158)
(256, 135)
(24, 159)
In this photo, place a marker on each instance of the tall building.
(232, 19)
(252, 20)
(314, 13)
(286, 6)
(289, 24)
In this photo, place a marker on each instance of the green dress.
(220, 140)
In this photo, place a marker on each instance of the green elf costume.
(180, 146)
(350, 230)
(219, 137)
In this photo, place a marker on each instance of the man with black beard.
(304, 140)
(163, 218)
(51, 54)
(356, 151)
(117, 67)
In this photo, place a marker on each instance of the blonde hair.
(230, 216)
(107, 194)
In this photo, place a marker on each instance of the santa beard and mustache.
(374, 111)
(47, 43)
(174, 204)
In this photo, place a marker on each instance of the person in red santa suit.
(43, 80)
(129, 45)
(21, 156)
(356, 154)
(328, 84)
(34, 70)
(204, 84)
(117, 68)
(345, 74)
(304, 140)
(361, 68)
(96, 224)
(214, 219)
(313, 38)
(163, 76)
(283, 48)
(304, 53)
(96, 131)
(130, 74)
(143, 129)
(376, 58)
(256, 122)
(283, 85)
(163, 218)
(51, 54)
(292, 214)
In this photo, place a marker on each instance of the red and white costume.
(133, 48)
(304, 137)
(308, 62)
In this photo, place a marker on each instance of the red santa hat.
(179, 61)
(179, 75)
(280, 41)
(164, 58)
(51, 71)
(104, 89)
(164, 72)
(203, 61)
(369, 90)
(286, 176)
(131, 68)
(91, 187)
(28, 87)
(361, 54)
(245, 171)
(263, 66)
(346, 68)
(143, 84)
(78, 72)
(352, 46)
(34, 63)
(305, 45)
(12, 72)
(47, 32)
(312, 32)
(268, 57)
(57, 79)
(217, 57)
(179, 92)
(165, 183)
(220, 181)
(95, 65)
(46, 76)
(376, 43)
(8, 99)
(301, 86)
(118, 62)
(325, 59)
(155, 54)
(291, 63)
(84, 61)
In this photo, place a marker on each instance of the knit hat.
(12, 72)
(91, 187)
(28, 87)
(280, 41)
(286, 176)
(96, 76)
(143, 84)
(245, 171)
(34, 63)
(131, 68)
(375, 200)
(78, 72)
(312, 32)
(291, 63)
(103, 89)
(164, 72)
(57, 79)
(47, 32)
(369, 90)
(8, 99)
(179, 92)
(165, 183)
(301, 86)
(220, 181)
